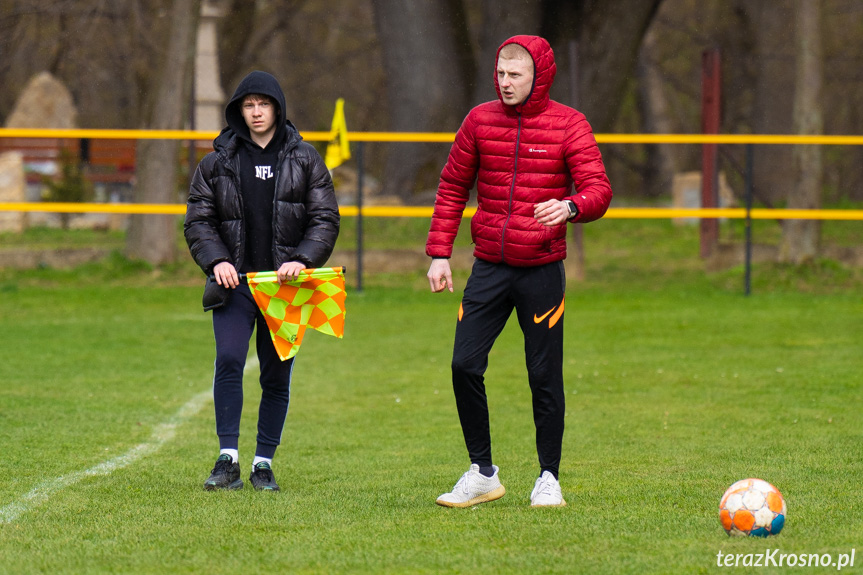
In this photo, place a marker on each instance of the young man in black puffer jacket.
(262, 200)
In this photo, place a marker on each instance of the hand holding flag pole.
(315, 299)
(242, 276)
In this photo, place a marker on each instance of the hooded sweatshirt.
(258, 168)
(519, 156)
(305, 215)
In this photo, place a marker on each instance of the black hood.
(256, 82)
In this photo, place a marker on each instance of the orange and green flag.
(316, 300)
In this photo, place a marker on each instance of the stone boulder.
(13, 188)
(44, 103)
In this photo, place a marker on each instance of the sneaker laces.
(223, 463)
(545, 486)
(264, 471)
(463, 483)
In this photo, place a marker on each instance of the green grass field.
(677, 385)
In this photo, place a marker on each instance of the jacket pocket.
(215, 296)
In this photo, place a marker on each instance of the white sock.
(259, 459)
(235, 455)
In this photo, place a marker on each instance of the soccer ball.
(752, 507)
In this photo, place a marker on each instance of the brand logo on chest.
(263, 172)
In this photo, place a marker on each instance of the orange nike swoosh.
(556, 316)
(543, 316)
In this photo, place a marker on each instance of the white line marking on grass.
(162, 433)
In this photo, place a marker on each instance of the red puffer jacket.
(522, 155)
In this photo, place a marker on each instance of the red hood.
(543, 73)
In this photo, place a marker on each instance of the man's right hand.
(226, 275)
(440, 275)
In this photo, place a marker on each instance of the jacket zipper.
(511, 192)
(233, 165)
(279, 159)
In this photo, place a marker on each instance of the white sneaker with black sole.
(473, 488)
(546, 492)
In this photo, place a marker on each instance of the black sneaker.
(225, 475)
(262, 477)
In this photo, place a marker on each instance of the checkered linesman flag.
(316, 300)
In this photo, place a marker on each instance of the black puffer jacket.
(305, 212)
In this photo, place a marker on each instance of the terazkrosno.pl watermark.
(776, 558)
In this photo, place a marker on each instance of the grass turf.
(677, 385)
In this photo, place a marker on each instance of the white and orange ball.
(752, 507)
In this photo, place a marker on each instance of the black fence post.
(84, 152)
(360, 147)
(748, 265)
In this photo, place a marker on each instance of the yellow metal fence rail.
(445, 137)
(426, 212)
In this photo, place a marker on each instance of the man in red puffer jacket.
(536, 166)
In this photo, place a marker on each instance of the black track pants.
(491, 293)
(233, 325)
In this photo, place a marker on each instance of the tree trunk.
(153, 238)
(655, 119)
(609, 35)
(501, 19)
(246, 35)
(771, 110)
(428, 63)
(800, 237)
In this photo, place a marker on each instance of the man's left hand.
(551, 212)
(289, 271)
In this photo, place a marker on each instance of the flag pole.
(242, 276)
